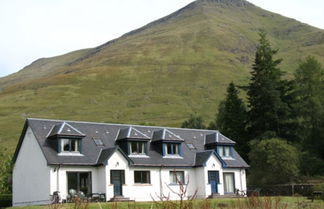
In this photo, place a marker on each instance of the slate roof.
(110, 134)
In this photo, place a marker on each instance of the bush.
(5, 200)
(320, 187)
(273, 161)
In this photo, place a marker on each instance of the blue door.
(117, 178)
(213, 180)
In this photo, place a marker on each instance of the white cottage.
(127, 161)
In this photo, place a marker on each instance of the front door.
(117, 178)
(213, 179)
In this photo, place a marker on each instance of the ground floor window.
(229, 183)
(177, 177)
(142, 177)
(79, 181)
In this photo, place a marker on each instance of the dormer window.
(65, 139)
(168, 142)
(137, 148)
(224, 151)
(70, 145)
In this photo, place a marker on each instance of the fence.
(282, 190)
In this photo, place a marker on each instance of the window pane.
(66, 145)
(137, 177)
(140, 147)
(133, 147)
(73, 145)
(176, 149)
(169, 149)
(220, 151)
(176, 177)
(226, 151)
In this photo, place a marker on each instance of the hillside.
(160, 73)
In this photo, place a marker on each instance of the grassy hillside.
(159, 74)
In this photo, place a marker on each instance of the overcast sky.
(31, 29)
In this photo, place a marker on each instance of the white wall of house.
(160, 181)
(31, 175)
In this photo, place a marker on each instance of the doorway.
(117, 178)
(213, 180)
(79, 181)
(229, 183)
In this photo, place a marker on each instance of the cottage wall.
(31, 175)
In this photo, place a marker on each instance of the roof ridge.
(120, 124)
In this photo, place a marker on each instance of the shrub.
(320, 187)
(5, 200)
(273, 161)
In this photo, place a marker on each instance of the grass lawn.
(226, 203)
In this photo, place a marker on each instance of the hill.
(157, 74)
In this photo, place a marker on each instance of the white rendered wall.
(31, 175)
(160, 181)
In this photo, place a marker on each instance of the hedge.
(5, 200)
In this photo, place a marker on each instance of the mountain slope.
(159, 73)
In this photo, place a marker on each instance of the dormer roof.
(131, 133)
(166, 135)
(217, 138)
(65, 130)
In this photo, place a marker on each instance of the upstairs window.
(70, 145)
(142, 177)
(137, 148)
(177, 177)
(224, 151)
(172, 149)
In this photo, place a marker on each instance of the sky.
(33, 29)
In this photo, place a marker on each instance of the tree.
(5, 172)
(231, 119)
(265, 92)
(309, 85)
(195, 121)
(273, 161)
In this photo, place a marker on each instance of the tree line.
(279, 127)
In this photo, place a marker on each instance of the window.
(176, 177)
(98, 142)
(172, 149)
(142, 177)
(224, 151)
(70, 145)
(137, 147)
(191, 146)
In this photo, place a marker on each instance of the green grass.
(228, 203)
(159, 75)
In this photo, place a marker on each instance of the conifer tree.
(309, 85)
(231, 119)
(195, 121)
(267, 110)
